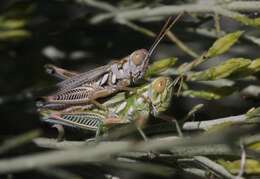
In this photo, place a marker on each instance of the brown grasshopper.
(103, 81)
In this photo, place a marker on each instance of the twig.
(243, 162)
(98, 4)
(170, 35)
(214, 167)
(243, 5)
(197, 172)
(177, 151)
(217, 24)
(251, 91)
(19, 140)
(206, 125)
(53, 144)
(103, 151)
(181, 45)
(213, 150)
(250, 139)
(212, 34)
(138, 28)
(138, 14)
(192, 112)
(100, 152)
(55, 158)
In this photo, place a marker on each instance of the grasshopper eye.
(138, 56)
(159, 85)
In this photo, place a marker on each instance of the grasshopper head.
(138, 62)
(161, 94)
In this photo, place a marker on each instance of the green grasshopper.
(103, 81)
(152, 98)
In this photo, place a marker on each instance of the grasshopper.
(105, 80)
(152, 98)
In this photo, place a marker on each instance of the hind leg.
(59, 73)
(61, 132)
(97, 137)
(140, 123)
(174, 121)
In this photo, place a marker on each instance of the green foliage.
(254, 66)
(13, 29)
(251, 166)
(223, 44)
(209, 94)
(255, 22)
(160, 66)
(220, 46)
(57, 31)
(223, 70)
(253, 113)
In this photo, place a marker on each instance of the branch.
(103, 151)
(214, 167)
(206, 125)
(54, 144)
(137, 14)
(19, 140)
(98, 4)
(177, 151)
(221, 142)
(211, 33)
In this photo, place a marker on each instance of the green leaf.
(255, 65)
(160, 66)
(221, 71)
(201, 94)
(251, 69)
(209, 94)
(223, 44)
(255, 22)
(12, 23)
(255, 112)
(255, 146)
(14, 34)
(251, 166)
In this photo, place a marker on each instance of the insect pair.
(149, 99)
(71, 104)
(87, 87)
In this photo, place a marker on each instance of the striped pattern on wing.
(83, 120)
(72, 96)
(82, 78)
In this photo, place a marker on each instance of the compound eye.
(159, 85)
(138, 57)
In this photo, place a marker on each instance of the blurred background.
(35, 33)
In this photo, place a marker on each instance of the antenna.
(167, 26)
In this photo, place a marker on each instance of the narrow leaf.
(255, 65)
(254, 22)
(251, 166)
(160, 66)
(210, 94)
(221, 71)
(223, 44)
